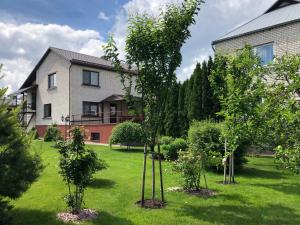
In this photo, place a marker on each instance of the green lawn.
(263, 195)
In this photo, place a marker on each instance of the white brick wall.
(285, 39)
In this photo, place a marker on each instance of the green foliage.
(53, 133)
(171, 147)
(18, 167)
(34, 133)
(190, 168)
(206, 138)
(128, 133)
(77, 167)
(154, 46)
(280, 112)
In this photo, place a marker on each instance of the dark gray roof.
(281, 12)
(75, 58)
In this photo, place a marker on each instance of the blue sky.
(29, 27)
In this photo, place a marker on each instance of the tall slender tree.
(171, 113)
(153, 45)
(183, 122)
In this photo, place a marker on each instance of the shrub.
(190, 168)
(52, 134)
(77, 166)
(171, 147)
(127, 133)
(207, 136)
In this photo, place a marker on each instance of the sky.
(28, 28)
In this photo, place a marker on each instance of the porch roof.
(114, 98)
(21, 91)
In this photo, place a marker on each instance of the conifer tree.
(195, 110)
(171, 113)
(183, 122)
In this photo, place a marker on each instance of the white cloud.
(216, 18)
(102, 16)
(26, 43)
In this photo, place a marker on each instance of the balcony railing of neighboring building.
(103, 118)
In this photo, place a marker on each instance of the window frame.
(90, 78)
(264, 45)
(54, 82)
(90, 104)
(45, 114)
(97, 134)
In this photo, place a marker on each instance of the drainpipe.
(70, 96)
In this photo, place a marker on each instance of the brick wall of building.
(285, 39)
(104, 130)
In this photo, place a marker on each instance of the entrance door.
(113, 113)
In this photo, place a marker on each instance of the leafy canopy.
(153, 48)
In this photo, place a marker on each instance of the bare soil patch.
(152, 204)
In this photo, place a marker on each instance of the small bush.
(127, 133)
(166, 140)
(207, 136)
(52, 134)
(171, 147)
(190, 168)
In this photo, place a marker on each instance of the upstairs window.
(47, 111)
(90, 78)
(90, 108)
(265, 53)
(52, 80)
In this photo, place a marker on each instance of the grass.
(263, 195)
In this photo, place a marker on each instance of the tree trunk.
(229, 169)
(225, 163)
(233, 168)
(161, 176)
(144, 176)
(153, 172)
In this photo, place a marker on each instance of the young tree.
(19, 167)
(77, 167)
(280, 112)
(153, 46)
(240, 100)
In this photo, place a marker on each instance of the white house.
(68, 88)
(274, 33)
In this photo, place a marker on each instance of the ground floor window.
(47, 110)
(95, 136)
(90, 108)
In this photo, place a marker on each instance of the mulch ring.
(205, 193)
(152, 204)
(85, 214)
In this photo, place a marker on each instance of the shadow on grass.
(242, 215)
(102, 183)
(34, 217)
(37, 217)
(125, 150)
(286, 188)
(251, 172)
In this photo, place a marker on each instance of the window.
(265, 53)
(95, 136)
(47, 110)
(52, 80)
(90, 108)
(90, 78)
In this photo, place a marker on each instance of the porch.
(112, 110)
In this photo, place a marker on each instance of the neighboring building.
(274, 33)
(84, 89)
